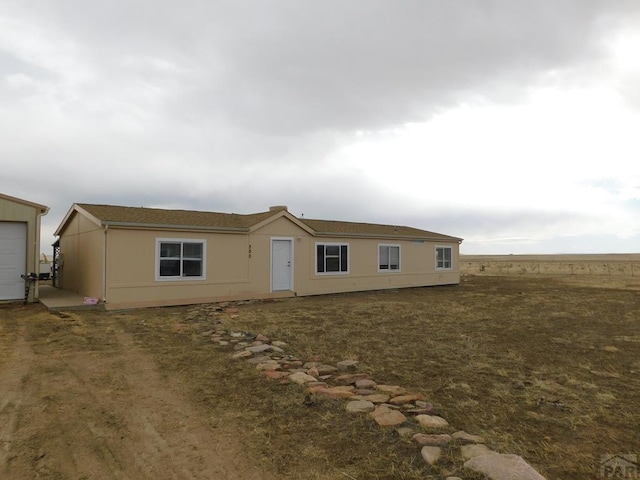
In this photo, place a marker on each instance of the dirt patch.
(83, 401)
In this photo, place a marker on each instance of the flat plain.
(541, 366)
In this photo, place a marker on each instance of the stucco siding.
(417, 267)
(82, 248)
(131, 268)
(238, 266)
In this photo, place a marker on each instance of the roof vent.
(277, 208)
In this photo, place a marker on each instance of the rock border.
(388, 405)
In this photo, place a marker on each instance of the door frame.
(291, 257)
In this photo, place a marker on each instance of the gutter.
(164, 226)
(386, 237)
(36, 246)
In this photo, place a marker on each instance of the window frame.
(182, 277)
(389, 246)
(444, 248)
(332, 244)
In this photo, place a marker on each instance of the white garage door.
(13, 259)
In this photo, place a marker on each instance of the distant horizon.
(548, 254)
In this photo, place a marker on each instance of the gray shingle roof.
(111, 214)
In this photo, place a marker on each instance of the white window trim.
(181, 279)
(388, 270)
(331, 244)
(435, 257)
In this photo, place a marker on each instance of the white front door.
(281, 265)
(13, 259)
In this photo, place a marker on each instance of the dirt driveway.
(84, 406)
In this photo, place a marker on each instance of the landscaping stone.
(292, 364)
(430, 410)
(465, 438)
(393, 390)
(326, 369)
(333, 392)
(375, 398)
(431, 454)
(498, 466)
(262, 338)
(263, 347)
(241, 354)
(401, 399)
(301, 378)
(359, 406)
(365, 383)
(278, 343)
(274, 374)
(475, 450)
(350, 378)
(269, 365)
(347, 365)
(386, 417)
(309, 365)
(367, 391)
(313, 371)
(432, 440)
(431, 421)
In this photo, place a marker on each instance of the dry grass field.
(542, 367)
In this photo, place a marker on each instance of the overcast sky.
(513, 124)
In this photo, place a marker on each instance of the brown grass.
(540, 367)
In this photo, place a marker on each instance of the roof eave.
(388, 237)
(164, 226)
(42, 208)
(75, 208)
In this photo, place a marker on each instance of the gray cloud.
(291, 68)
(235, 105)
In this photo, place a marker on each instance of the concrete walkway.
(56, 299)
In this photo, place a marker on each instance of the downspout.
(104, 266)
(36, 247)
(36, 267)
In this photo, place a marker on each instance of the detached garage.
(19, 245)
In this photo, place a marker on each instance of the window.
(180, 259)
(443, 258)
(388, 257)
(332, 258)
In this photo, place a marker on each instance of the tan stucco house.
(19, 246)
(135, 257)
